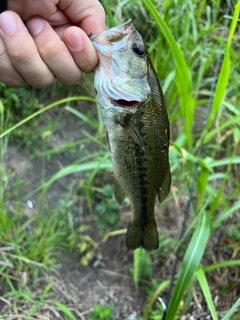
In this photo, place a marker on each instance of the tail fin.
(142, 236)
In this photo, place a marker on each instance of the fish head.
(122, 76)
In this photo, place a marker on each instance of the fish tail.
(142, 236)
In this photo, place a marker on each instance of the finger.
(23, 52)
(8, 74)
(81, 48)
(53, 51)
(89, 15)
(46, 9)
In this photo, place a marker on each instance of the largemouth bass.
(137, 128)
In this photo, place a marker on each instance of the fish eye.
(139, 49)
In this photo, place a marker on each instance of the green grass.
(194, 46)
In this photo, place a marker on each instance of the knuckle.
(73, 78)
(45, 83)
(50, 49)
(22, 56)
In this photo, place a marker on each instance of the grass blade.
(224, 162)
(182, 78)
(65, 310)
(163, 285)
(136, 266)
(190, 263)
(225, 215)
(77, 168)
(142, 266)
(225, 70)
(206, 291)
(82, 116)
(48, 107)
(223, 264)
(232, 310)
(211, 134)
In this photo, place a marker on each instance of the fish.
(137, 128)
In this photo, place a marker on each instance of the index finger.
(88, 15)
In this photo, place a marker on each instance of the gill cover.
(122, 73)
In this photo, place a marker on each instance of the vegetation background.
(56, 202)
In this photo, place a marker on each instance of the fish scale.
(137, 128)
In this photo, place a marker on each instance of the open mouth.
(126, 104)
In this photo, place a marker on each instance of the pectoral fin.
(166, 185)
(135, 135)
(127, 124)
(118, 192)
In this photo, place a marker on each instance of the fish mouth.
(124, 103)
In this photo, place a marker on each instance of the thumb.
(81, 48)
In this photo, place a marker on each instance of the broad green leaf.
(190, 263)
(206, 291)
(182, 78)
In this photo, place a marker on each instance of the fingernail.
(35, 26)
(74, 41)
(8, 23)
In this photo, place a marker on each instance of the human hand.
(53, 42)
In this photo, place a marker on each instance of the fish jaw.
(120, 77)
(101, 40)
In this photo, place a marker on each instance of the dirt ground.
(107, 280)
